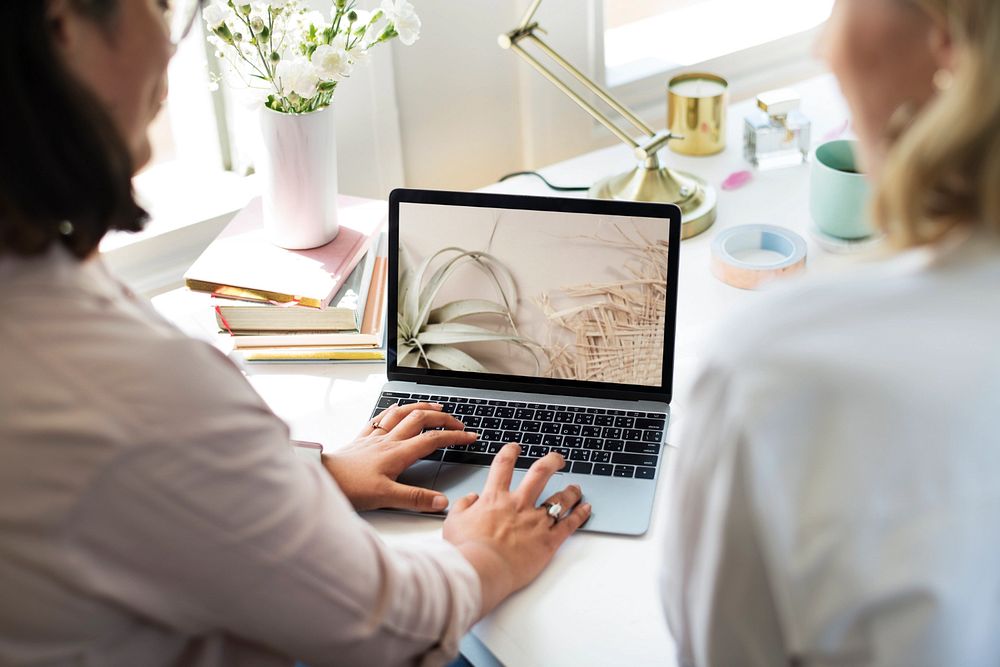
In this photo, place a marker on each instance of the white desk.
(598, 603)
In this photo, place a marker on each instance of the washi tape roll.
(732, 250)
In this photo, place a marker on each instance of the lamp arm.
(572, 94)
(528, 15)
(653, 140)
(591, 85)
(649, 181)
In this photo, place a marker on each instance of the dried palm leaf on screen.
(429, 333)
(615, 328)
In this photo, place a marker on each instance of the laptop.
(539, 320)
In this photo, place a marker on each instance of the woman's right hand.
(506, 537)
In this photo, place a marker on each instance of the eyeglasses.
(180, 16)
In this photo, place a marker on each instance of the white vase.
(299, 178)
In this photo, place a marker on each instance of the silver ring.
(554, 510)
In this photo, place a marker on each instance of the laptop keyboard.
(594, 441)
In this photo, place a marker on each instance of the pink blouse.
(152, 512)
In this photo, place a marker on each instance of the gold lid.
(779, 102)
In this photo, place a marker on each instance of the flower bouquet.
(290, 60)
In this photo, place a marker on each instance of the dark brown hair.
(61, 157)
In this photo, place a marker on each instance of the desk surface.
(598, 603)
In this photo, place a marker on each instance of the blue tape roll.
(750, 275)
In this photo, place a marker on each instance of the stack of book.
(321, 304)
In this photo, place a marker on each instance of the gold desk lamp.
(649, 180)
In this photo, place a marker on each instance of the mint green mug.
(839, 192)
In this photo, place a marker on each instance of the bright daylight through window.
(647, 37)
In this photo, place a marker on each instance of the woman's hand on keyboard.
(504, 534)
(366, 470)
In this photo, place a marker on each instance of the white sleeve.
(214, 525)
(714, 583)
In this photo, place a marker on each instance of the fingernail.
(439, 502)
(436, 405)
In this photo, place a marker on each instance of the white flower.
(404, 18)
(332, 61)
(215, 14)
(297, 75)
(276, 66)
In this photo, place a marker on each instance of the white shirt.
(153, 513)
(836, 498)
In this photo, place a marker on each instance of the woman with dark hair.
(152, 511)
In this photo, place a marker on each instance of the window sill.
(188, 208)
(748, 27)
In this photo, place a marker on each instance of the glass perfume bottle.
(776, 135)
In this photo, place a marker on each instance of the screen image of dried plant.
(428, 334)
(532, 294)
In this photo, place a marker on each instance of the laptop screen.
(531, 293)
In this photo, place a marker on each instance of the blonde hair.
(944, 170)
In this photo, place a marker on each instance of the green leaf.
(406, 295)
(431, 333)
(465, 308)
(441, 276)
(450, 333)
(403, 351)
(414, 303)
(453, 359)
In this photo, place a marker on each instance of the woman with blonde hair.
(835, 498)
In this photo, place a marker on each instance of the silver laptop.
(543, 321)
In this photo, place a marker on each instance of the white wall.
(458, 96)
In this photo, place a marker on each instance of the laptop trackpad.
(456, 481)
(421, 473)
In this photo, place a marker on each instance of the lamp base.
(695, 197)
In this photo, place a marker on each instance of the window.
(645, 38)
(188, 141)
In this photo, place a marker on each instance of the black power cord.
(557, 188)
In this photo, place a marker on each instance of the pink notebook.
(242, 264)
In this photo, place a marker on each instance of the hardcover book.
(242, 264)
(371, 332)
(345, 311)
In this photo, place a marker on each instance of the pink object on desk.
(737, 180)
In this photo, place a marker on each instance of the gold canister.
(696, 111)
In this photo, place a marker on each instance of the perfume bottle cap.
(778, 102)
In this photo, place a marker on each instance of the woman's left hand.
(366, 470)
